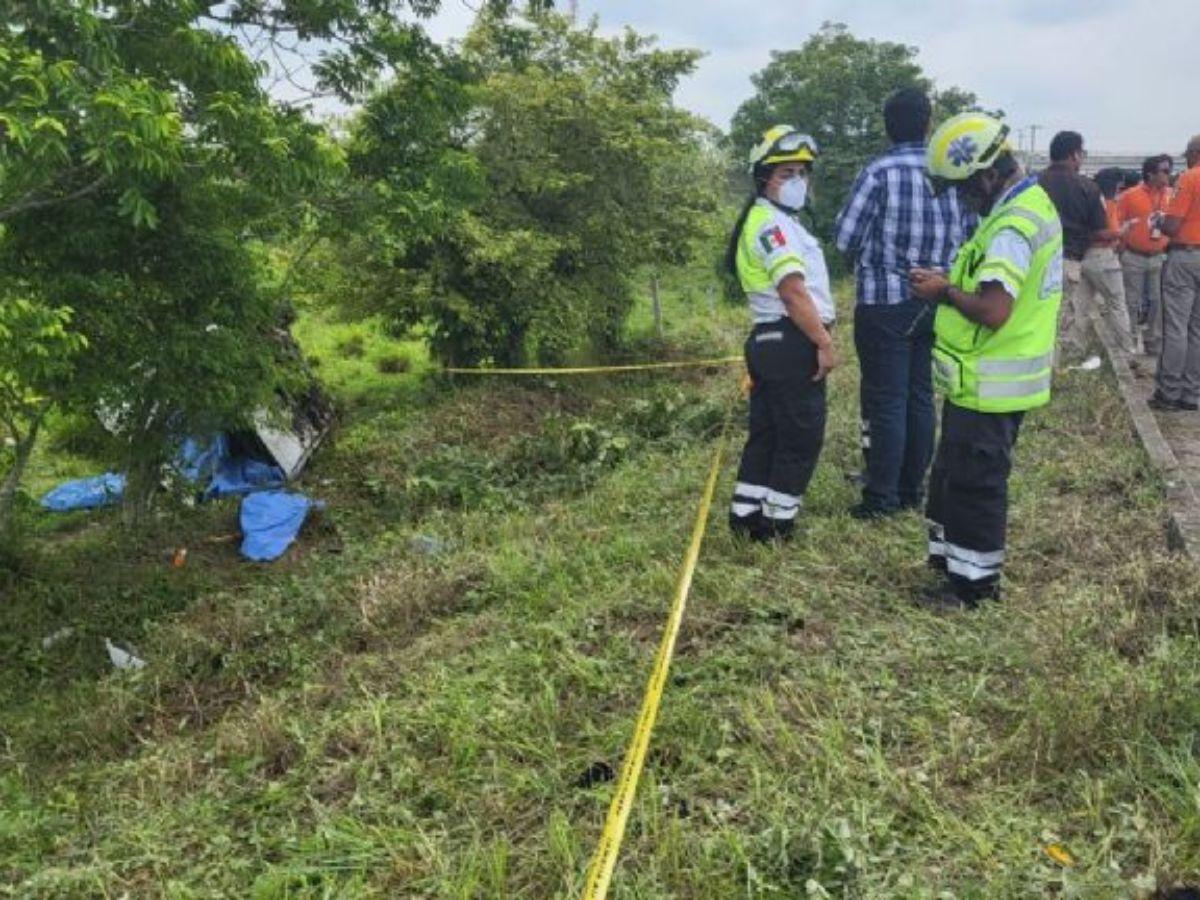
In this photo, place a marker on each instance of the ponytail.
(735, 237)
(761, 174)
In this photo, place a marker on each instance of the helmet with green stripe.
(963, 145)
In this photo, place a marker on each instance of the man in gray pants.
(1178, 386)
(1140, 210)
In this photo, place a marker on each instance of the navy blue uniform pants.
(894, 345)
(787, 430)
(968, 499)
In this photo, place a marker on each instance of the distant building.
(1094, 163)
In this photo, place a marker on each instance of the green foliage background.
(833, 87)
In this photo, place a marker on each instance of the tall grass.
(367, 719)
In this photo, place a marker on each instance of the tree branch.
(32, 202)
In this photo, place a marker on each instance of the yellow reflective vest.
(1007, 369)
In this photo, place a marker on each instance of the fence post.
(657, 304)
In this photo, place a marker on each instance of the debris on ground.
(1091, 364)
(121, 658)
(429, 545)
(61, 635)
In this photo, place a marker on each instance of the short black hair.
(1064, 144)
(1005, 164)
(1109, 180)
(906, 114)
(1151, 163)
(1132, 178)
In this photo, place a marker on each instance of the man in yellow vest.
(994, 334)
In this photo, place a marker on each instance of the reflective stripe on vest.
(992, 390)
(1030, 366)
(1046, 231)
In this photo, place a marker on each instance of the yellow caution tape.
(596, 370)
(605, 858)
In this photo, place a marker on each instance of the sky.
(1121, 73)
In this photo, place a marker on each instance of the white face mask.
(793, 192)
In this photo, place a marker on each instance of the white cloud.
(1119, 72)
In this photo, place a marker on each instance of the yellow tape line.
(605, 858)
(595, 370)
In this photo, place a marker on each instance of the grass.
(367, 719)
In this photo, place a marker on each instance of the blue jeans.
(894, 344)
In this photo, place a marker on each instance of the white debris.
(1091, 364)
(61, 635)
(211, 327)
(122, 659)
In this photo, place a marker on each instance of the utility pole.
(1033, 130)
(573, 9)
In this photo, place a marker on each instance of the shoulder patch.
(772, 239)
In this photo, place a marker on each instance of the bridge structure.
(1035, 162)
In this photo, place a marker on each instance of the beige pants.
(1103, 288)
(1072, 317)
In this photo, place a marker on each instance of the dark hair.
(1151, 163)
(1109, 180)
(762, 174)
(1131, 179)
(1005, 164)
(1064, 144)
(906, 115)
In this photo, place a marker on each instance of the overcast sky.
(1122, 73)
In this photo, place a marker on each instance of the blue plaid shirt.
(892, 222)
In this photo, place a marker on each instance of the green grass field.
(366, 719)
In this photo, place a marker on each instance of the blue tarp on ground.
(270, 522)
(198, 460)
(204, 462)
(243, 475)
(270, 518)
(86, 493)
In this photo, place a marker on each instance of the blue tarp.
(270, 522)
(198, 460)
(243, 475)
(86, 493)
(204, 462)
(270, 518)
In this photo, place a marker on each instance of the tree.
(143, 165)
(833, 87)
(575, 167)
(36, 351)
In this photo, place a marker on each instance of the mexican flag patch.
(772, 239)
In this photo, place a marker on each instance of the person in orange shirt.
(1144, 249)
(1101, 285)
(1178, 379)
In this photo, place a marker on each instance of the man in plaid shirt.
(892, 223)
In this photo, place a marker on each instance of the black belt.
(788, 319)
(1144, 255)
(1183, 247)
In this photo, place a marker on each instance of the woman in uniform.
(781, 269)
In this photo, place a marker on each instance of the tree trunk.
(12, 481)
(657, 304)
(513, 353)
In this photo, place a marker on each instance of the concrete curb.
(1183, 505)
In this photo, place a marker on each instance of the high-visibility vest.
(1009, 368)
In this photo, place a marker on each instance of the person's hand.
(928, 284)
(827, 360)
